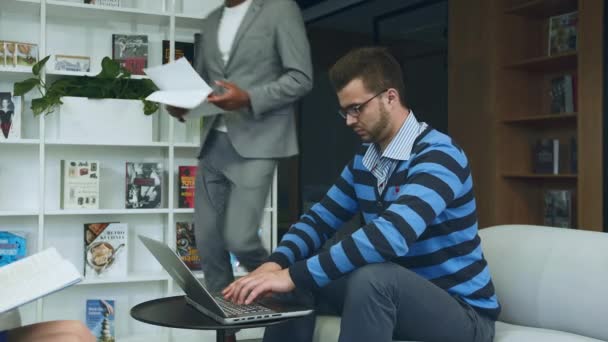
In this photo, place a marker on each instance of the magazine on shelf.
(10, 56)
(131, 51)
(11, 110)
(558, 208)
(144, 185)
(80, 184)
(35, 276)
(563, 94)
(100, 319)
(182, 49)
(13, 247)
(26, 54)
(106, 249)
(563, 33)
(185, 184)
(186, 245)
(72, 63)
(2, 54)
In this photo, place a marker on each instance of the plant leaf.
(110, 68)
(39, 106)
(23, 87)
(38, 66)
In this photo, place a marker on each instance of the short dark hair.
(376, 67)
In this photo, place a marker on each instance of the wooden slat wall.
(590, 182)
(470, 96)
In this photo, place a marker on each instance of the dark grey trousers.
(230, 196)
(382, 302)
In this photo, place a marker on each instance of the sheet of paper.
(179, 85)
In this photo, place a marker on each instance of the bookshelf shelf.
(19, 213)
(67, 8)
(543, 120)
(542, 8)
(107, 144)
(68, 212)
(133, 278)
(21, 142)
(183, 211)
(187, 145)
(16, 70)
(536, 176)
(547, 63)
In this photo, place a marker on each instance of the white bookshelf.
(30, 171)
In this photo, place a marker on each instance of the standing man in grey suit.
(257, 53)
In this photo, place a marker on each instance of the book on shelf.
(13, 247)
(100, 319)
(131, 51)
(563, 32)
(106, 250)
(558, 208)
(197, 46)
(35, 276)
(26, 54)
(182, 49)
(144, 185)
(80, 184)
(563, 98)
(185, 183)
(186, 245)
(549, 156)
(2, 54)
(10, 56)
(11, 110)
(72, 63)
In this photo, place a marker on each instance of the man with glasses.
(414, 270)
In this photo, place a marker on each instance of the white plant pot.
(100, 121)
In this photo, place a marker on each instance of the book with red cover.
(131, 51)
(187, 175)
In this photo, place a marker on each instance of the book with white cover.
(35, 276)
(180, 85)
(80, 184)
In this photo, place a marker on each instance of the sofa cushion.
(516, 333)
(552, 278)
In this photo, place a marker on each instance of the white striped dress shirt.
(399, 149)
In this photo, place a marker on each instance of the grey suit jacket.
(270, 59)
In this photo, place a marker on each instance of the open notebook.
(35, 276)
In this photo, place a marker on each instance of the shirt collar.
(401, 145)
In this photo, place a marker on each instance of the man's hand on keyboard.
(259, 283)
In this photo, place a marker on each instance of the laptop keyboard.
(240, 309)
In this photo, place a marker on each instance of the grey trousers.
(229, 201)
(382, 302)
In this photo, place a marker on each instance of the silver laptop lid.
(181, 274)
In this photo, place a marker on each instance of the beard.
(378, 130)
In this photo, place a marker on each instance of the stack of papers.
(179, 85)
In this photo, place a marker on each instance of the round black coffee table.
(175, 312)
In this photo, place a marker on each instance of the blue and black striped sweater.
(425, 220)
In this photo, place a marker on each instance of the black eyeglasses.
(355, 111)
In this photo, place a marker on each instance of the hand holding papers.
(180, 85)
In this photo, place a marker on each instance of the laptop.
(214, 305)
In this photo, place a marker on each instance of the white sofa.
(552, 284)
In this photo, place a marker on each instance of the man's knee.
(374, 278)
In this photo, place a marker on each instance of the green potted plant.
(113, 82)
